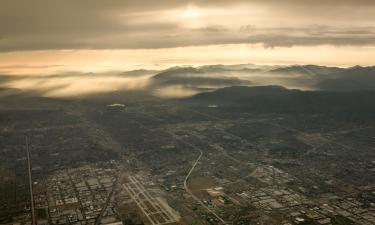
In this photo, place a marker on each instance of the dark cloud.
(290, 41)
(131, 24)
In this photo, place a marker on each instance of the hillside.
(275, 99)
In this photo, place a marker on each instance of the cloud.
(148, 24)
(74, 84)
(28, 67)
(313, 35)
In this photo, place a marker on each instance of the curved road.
(191, 170)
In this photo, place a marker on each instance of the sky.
(49, 36)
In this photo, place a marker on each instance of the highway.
(190, 171)
(195, 197)
(98, 220)
(33, 219)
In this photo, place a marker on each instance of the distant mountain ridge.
(313, 77)
(355, 78)
(182, 81)
(308, 69)
(191, 76)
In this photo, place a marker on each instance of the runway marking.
(150, 206)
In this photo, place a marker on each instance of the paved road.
(33, 222)
(191, 170)
(195, 197)
(99, 218)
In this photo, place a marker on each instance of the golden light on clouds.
(53, 61)
(192, 12)
(82, 36)
(75, 84)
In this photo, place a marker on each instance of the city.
(165, 163)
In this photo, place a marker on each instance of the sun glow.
(192, 17)
(192, 12)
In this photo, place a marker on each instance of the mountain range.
(306, 77)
